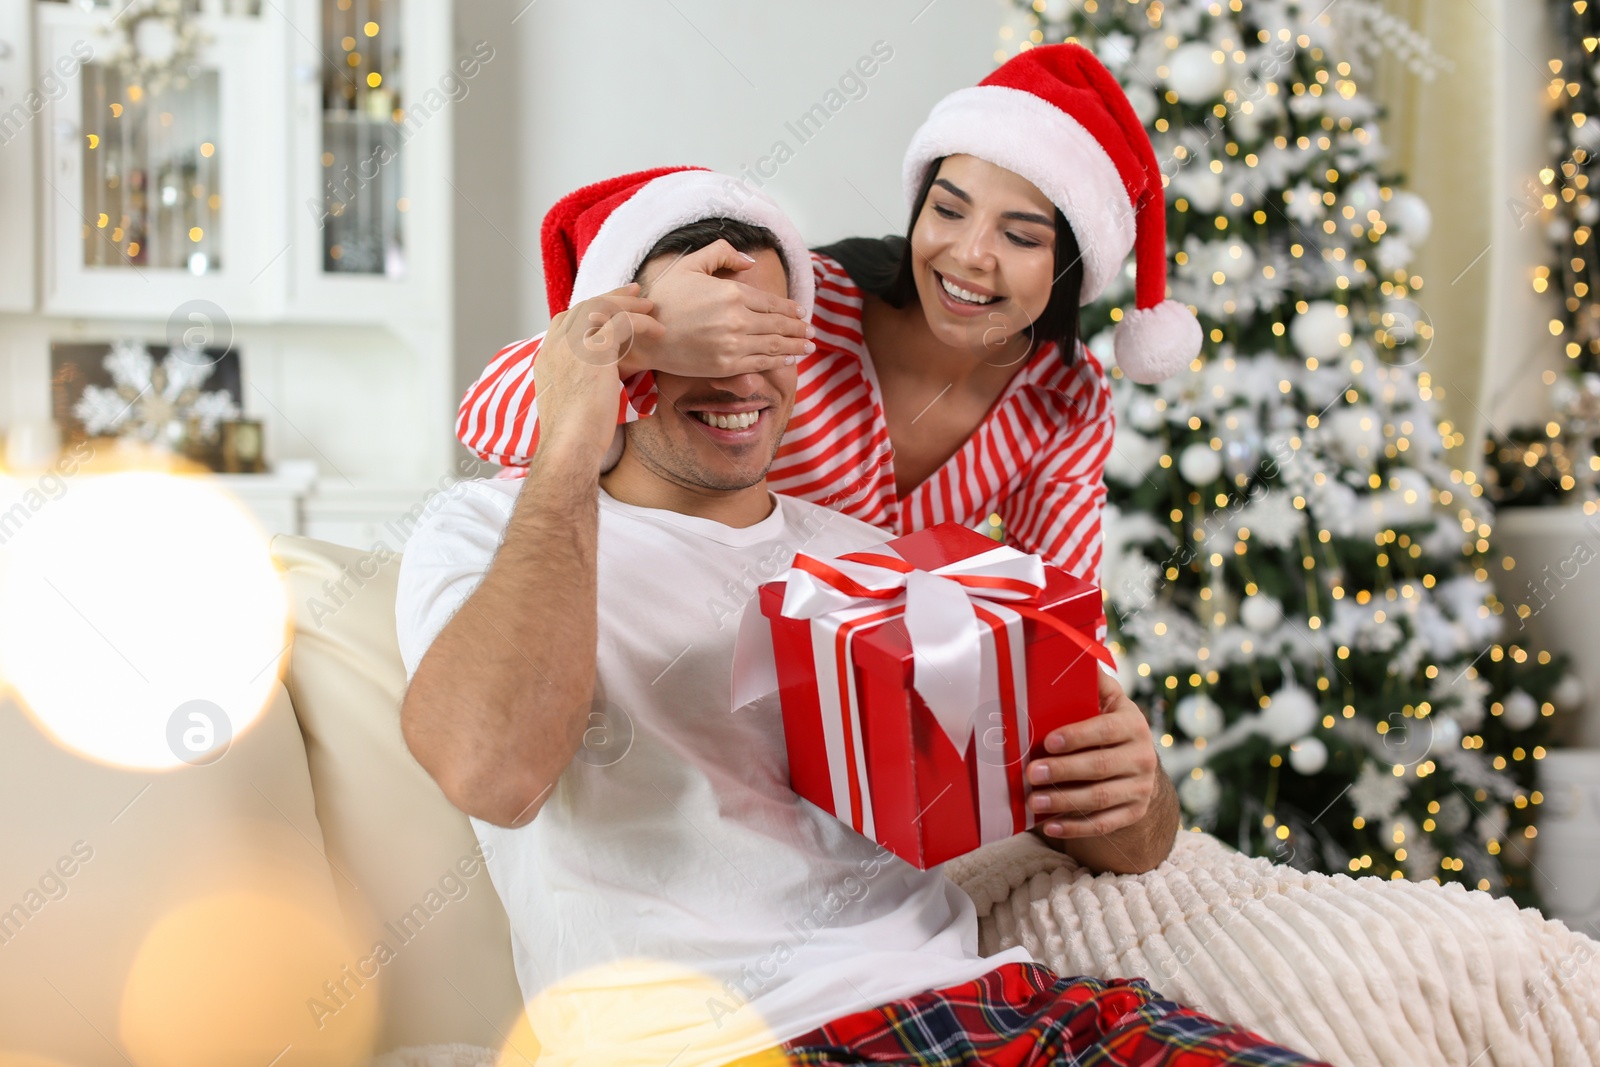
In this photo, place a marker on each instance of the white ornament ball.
(1589, 212)
(1143, 413)
(1115, 50)
(1364, 196)
(1320, 332)
(1199, 464)
(1568, 693)
(1520, 710)
(1239, 261)
(1193, 74)
(1198, 715)
(1454, 815)
(1200, 795)
(1357, 430)
(1246, 125)
(1145, 104)
(1308, 755)
(1446, 732)
(1260, 612)
(1127, 674)
(1394, 253)
(1203, 187)
(1103, 345)
(1410, 213)
(1292, 714)
(1409, 499)
(1564, 395)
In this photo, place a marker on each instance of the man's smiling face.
(717, 433)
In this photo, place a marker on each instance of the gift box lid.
(1066, 596)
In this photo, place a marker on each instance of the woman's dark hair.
(885, 268)
(692, 237)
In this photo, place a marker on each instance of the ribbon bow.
(941, 618)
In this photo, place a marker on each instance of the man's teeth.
(962, 294)
(743, 420)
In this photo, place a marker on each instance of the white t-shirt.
(674, 897)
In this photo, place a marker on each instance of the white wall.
(1520, 347)
(581, 91)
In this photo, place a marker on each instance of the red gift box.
(865, 744)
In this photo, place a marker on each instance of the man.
(671, 899)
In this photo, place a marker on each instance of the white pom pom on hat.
(1056, 116)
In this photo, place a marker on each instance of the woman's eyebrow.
(1030, 216)
(1020, 216)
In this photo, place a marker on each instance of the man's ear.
(613, 453)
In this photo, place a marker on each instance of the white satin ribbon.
(946, 636)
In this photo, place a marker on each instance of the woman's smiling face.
(984, 253)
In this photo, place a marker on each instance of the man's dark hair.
(745, 237)
(885, 268)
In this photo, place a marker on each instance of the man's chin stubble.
(693, 476)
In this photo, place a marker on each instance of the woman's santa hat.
(595, 239)
(1057, 117)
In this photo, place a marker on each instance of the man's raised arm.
(499, 702)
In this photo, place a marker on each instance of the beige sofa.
(312, 898)
(228, 910)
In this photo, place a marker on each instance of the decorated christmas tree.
(1298, 580)
(1554, 461)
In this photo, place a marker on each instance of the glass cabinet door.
(371, 158)
(153, 194)
(152, 189)
(363, 166)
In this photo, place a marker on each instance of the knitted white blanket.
(1357, 972)
(1353, 971)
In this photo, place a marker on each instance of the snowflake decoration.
(1377, 793)
(151, 402)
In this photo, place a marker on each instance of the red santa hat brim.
(663, 204)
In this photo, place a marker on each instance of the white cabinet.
(289, 190)
(365, 516)
(24, 96)
(294, 500)
(274, 499)
(156, 195)
(301, 174)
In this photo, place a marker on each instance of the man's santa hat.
(595, 239)
(1056, 116)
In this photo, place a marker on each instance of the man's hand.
(1103, 798)
(717, 327)
(575, 375)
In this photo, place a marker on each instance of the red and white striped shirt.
(1037, 459)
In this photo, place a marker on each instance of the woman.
(946, 381)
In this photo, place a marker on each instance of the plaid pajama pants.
(1024, 1015)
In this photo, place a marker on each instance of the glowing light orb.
(640, 1012)
(141, 618)
(234, 978)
